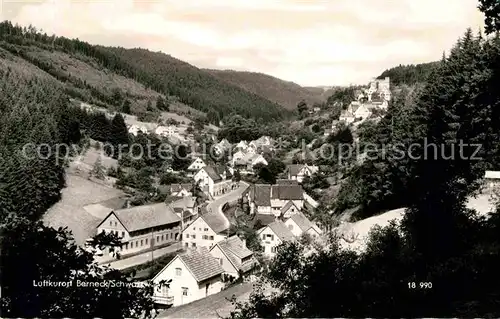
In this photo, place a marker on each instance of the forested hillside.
(409, 74)
(285, 93)
(108, 76)
(428, 154)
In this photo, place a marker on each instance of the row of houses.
(201, 272)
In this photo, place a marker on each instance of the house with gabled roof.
(289, 209)
(234, 257)
(273, 235)
(299, 224)
(194, 274)
(184, 207)
(270, 199)
(134, 129)
(181, 190)
(222, 146)
(196, 165)
(248, 161)
(300, 171)
(209, 228)
(142, 227)
(214, 180)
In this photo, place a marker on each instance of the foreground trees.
(439, 241)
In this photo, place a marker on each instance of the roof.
(212, 173)
(221, 169)
(287, 182)
(284, 192)
(261, 194)
(302, 221)
(294, 169)
(179, 187)
(184, 202)
(280, 229)
(146, 216)
(235, 250)
(287, 206)
(263, 219)
(201, 264)
(492, 174)
(217, 221)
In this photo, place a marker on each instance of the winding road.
(219, 201)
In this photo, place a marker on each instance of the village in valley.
(198, 235)
(134, 184)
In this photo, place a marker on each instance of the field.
(69, 211)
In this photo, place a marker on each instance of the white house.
(194, 274)
(213, 180)
(300, 171)
(222, 146)
(246, 164)
(186, 209)
(166, 131)
(298, 224)
(142, 227)
(234, 257)
(206, 230)
(271, 199)
(196, 165)
(181, 190)
(135, 129)
(347, 117)
(272, 235)
(241, 146)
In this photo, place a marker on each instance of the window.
(157, 238)
(211, 237)
(178, 271)
(200, 228)
(116, 223)
(171, 235)
(206, 229)
(187, 235)
(187, 244)
(273, 249)
(126, 245)
(146, 241)
(193, 244)
(264, 236)
(123, 234)
(162, 237)
(194, 228)
(204, 237)
(110, 223)
(220, 261)
(142, 242)
(184, 291)
(193, 236)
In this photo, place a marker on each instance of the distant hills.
(98, 74)
(285, 93)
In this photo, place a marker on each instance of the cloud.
(311, 43)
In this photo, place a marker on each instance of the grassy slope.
(287, 94)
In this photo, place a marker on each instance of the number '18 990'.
(420, 285)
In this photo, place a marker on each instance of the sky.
(309, 42)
